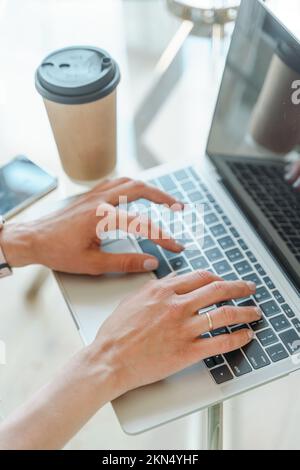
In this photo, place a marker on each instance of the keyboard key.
(256, 356)
(239, 328)
(219, 360)
(226, 243)
(178, 263)
(260, 270)
(188, 186)
(288, 311)
(243, 267)
(178, 196)
(220, 331)
(238, 363)
(210, 219)
(269, 283)
(234, 255)
(253, 278)
(208, 242)
(242, 244)
(296, 323)
(280, 323)
(270, 308)
(210, 362)
(251, 256)
(222, 267)
(259, 324)
(226, 220)
(195, 197)
(167, 183)
(234, 232)
(291, 341)
(262, 294)
(169, 254)
(214, 361)
(277, 353)
(278, 297)
(192, 251)
(247, 303)
(214, 254)
(218, 230)
(221, 374)
(230, 277)
(199, 263)
(267, 337)
(149, 247)
(181, 175)
(218, 209)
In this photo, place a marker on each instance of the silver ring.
(210, 323)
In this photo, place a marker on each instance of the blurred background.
(171, 53)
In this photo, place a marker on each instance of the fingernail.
(252, 286)
(259, 312)
(179, 206)
(250, 334)
(180, 247)
(151, 264)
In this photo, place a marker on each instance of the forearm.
(61, 408)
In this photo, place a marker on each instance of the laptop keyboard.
(276, 199)
(223, 251)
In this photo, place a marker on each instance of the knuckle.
(202, 275)
(138, 184)
(175, 305)
(219, 287)
(124, 179)
(228, 314)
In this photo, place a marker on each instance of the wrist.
(17, 243)
(103, 368)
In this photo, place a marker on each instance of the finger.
(296, 185)
(217, 292)
(115, 219)
(135, 190)
(222, 344)
(101, 263)
(110, 183)
(292, 172)
(224, 316)
(190, 282)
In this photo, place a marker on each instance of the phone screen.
(22, 182)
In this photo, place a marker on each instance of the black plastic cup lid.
(77, 75)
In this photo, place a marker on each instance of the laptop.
(251, 232)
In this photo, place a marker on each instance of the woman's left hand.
(67, 240)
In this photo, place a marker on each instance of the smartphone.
(22, 182)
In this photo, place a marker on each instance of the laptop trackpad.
(92, 299)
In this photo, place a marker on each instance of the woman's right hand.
(292, 175)
(155, 332)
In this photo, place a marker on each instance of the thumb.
(124, 263)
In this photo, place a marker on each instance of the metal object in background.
(215, 427)
(205, 14)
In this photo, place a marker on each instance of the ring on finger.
(210, 322)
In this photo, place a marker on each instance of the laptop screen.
(258, 109)
(256, 126)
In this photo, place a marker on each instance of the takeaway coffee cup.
(78, 86)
